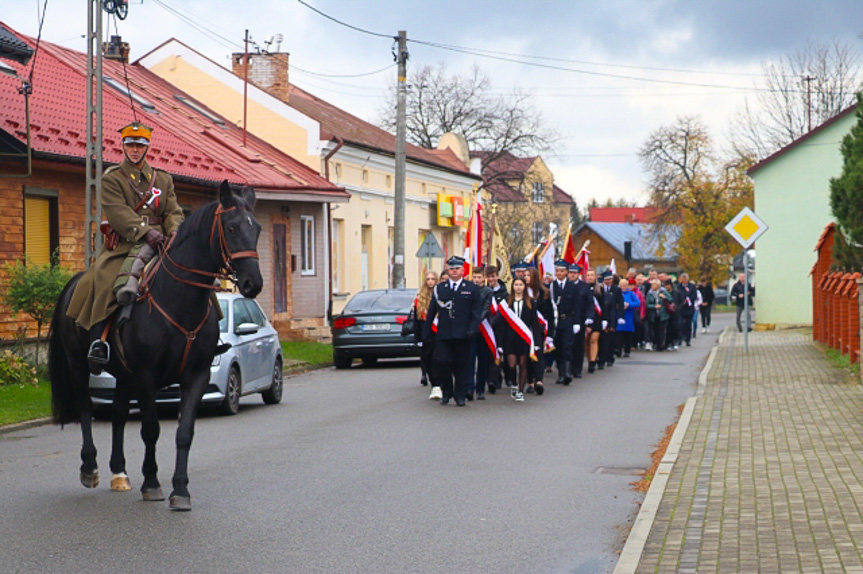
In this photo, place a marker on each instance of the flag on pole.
(583, 259)
(569, 247)
(546, 260)
(473, 241)
(499, 257)
(612, 267)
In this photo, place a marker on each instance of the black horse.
(171, 336)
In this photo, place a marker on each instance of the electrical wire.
(225, 41)
(125, 74)
(345, 24)
(384, 69)
(36, 50)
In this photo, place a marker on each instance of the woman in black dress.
(541, 298)
(516, 350)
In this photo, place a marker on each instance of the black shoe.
(600, 366)
(539, 389)
(687, 344)
(492, 388)
(444, 401)
(529, 390)
(469, 397)
(424, 381)
(626, 355)
(576, 375)
(559, 380)
(480, 397)
(591, 366)
(459, 403)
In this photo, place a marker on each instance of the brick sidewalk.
(770, 472)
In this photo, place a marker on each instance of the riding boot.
(567, 375)
(129, 292)
(100, 351)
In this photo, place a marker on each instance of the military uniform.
(563, 295)
(458, 308)
(123, 187)
(583, 312)
(612, 310)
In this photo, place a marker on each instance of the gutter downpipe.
(329, 247)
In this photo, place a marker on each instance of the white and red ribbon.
(542, 322)
(597, 306)
(519, 326)
(490, 340)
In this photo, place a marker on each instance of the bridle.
(217, 229)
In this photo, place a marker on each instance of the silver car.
(253, 364)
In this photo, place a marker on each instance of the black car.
(369, 328)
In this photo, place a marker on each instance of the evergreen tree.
(846, 199)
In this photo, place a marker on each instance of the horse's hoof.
(182, 503)
(153, 494)
(90, 480)
(120, 482)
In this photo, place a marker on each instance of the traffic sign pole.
(746, 227)
(746, 300)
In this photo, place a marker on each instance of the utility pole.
(808, 80)
(93, 182)
(398, 278)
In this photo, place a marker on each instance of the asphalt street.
(357, 471)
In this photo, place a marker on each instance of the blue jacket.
(629, 314)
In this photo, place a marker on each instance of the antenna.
(279, 39)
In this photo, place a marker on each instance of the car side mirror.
(247, 329)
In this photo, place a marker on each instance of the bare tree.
(813, 83)
(439, 102)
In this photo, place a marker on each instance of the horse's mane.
(199, 220)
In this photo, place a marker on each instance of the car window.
(386, 301)
(255, 313)
(241, 313)
(223, 322)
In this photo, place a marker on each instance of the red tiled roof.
(508, 167)
(621, 214)
(336, 122)
(185, 143)
(560, 196)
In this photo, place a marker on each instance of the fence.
(835, 301)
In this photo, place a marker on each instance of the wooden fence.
(835, 301)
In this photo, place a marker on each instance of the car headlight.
(217, 360)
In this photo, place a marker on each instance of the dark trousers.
(672, 330)
(578, 352)
(705, 315)
(740, 321)
(624, 341)
(471, 382)
(657, 332)
(537, 367)
(452, 367)
(606, 347)
(563, 341)
(483, 358)
(426, 361)
(686, 326)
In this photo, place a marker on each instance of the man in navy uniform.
(457, 304)
(519, 270)
(612, 314)
(582, 315)
(563, 295)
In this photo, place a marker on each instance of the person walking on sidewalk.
(705, 287)
(688, 302)
(738, 295)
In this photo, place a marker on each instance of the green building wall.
(792, 196)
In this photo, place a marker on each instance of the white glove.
(604, 325)
(625, 305)
(500, 351)
(588, 322)
(621, 321)
(419, 344)
(549, 341)
(575, 329)
(535, 349)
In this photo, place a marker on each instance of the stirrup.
(99, 360)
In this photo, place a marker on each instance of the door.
(280, 270)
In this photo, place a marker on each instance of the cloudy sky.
(615, 69)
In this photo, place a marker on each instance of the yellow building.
(347, 150)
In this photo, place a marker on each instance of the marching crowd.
(478, 334)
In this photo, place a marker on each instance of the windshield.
(383, 301)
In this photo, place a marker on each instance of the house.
(347, 151)
(792, 196)
(621, 214)
(526, 203)
(44, 211)
(608, 241)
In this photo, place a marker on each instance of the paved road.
(358, 472)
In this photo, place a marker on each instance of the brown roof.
(507, 167)
(560, 196)
(800, 140)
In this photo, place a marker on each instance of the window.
(338, 225)
(365, 176)
(41, 228)
(337, 169)
(241, 313)
(538, 192)
(307, 244)
(201, 110)
(120, 87)
(389, 181)
(538, 232)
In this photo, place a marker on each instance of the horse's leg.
(151, 490)
(191, 392)
(89, 467)
(119, 415)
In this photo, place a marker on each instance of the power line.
(372, 73)
(38, 38)
(225, 41)
(345, 24)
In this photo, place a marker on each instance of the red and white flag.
(583, 261)
(473, 241)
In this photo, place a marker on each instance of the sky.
(615, 70)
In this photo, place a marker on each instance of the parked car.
(720, 293)
(253, 364)
(369, 328)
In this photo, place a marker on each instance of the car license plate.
(376, 327)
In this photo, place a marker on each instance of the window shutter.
(37, 229)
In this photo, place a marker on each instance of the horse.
(171, 336)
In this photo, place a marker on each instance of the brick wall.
(267, 71)
(308, 290)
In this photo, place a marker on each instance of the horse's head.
(238, 237)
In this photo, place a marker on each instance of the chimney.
(116, 49)
(267, 71)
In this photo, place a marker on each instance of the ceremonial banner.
(499, 256)
(569, 247)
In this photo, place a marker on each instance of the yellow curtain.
(37, 230)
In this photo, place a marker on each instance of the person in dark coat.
(705, 287)
(516, 350)
(563, 295)
(480, 353)
(582, 316)
(612, 311)
(737, 295)
(498, 294)
(541, 297)
(421, 308)
(688, 299)
(672, 330)
(457, 304)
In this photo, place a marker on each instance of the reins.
(217, 228)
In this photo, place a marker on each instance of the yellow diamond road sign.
(746, 227)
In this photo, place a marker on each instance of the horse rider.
(141, 209)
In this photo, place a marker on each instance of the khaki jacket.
(123, 187)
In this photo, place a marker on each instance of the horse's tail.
(63, 403)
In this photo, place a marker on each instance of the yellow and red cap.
(136, 133)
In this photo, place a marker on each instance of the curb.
(632, 550)
(25, 425)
